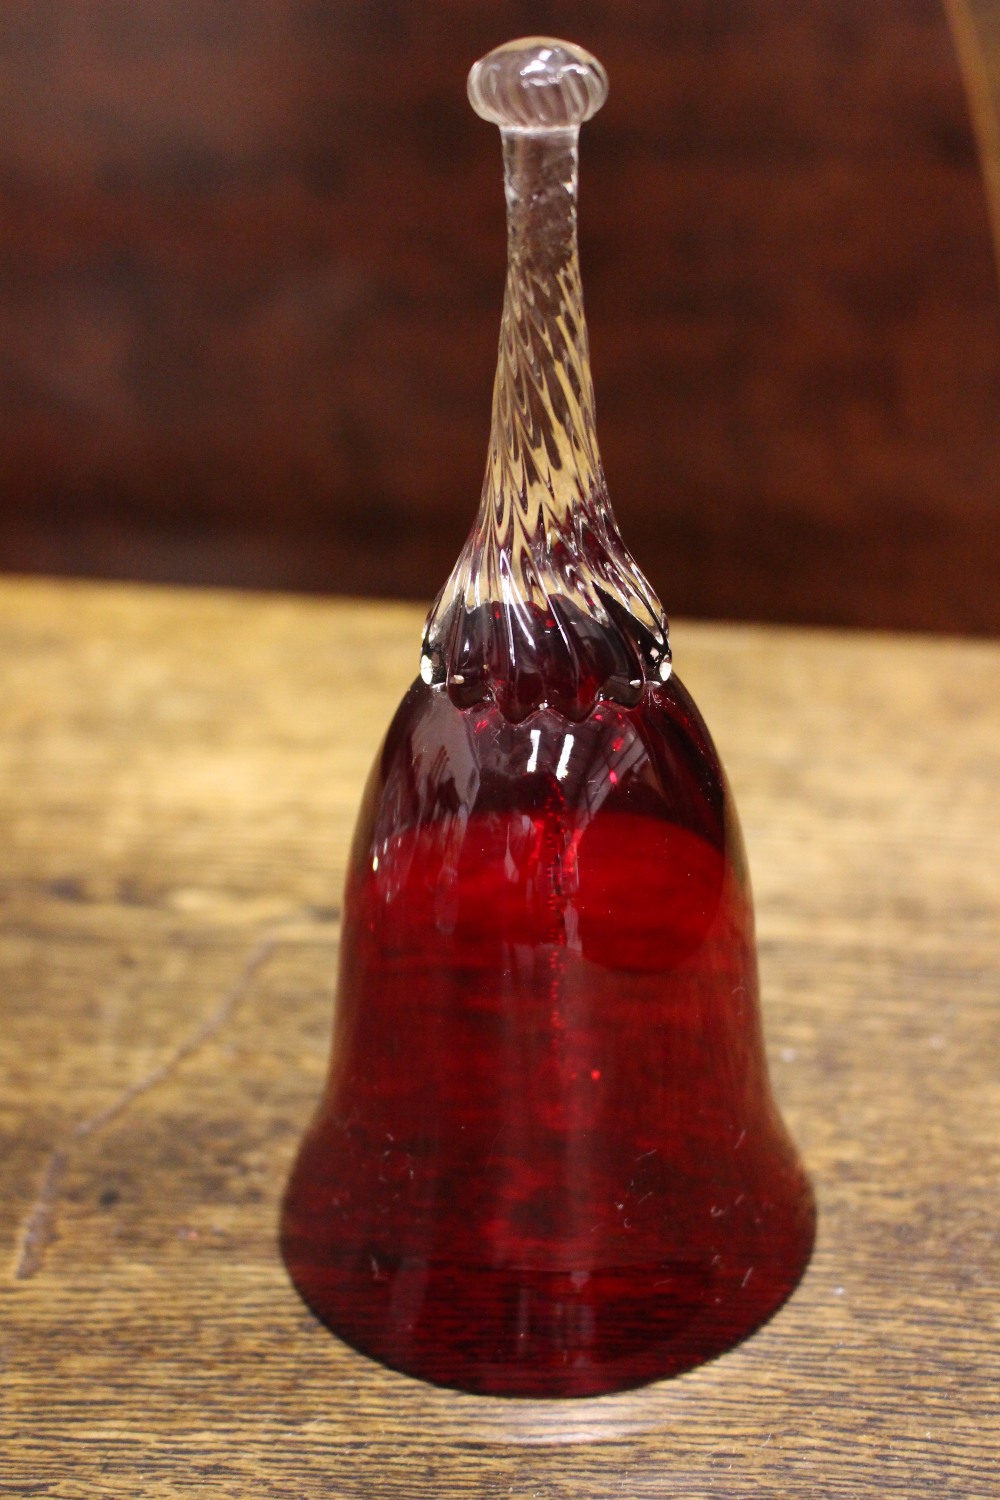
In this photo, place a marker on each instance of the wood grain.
(251, 270)
(178, 777)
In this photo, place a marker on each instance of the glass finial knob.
(537, 83)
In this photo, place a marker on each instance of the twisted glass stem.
(545, 605)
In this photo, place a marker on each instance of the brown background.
(252, 260)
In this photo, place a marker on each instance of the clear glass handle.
(545, 606)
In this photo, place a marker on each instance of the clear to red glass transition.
(547, 1161)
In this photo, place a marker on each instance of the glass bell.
(547, 1160)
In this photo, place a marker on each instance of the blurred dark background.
(251, 266)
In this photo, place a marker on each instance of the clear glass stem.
(545, 606)
(544, 458)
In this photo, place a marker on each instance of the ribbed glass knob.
(537, 83)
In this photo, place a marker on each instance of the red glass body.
(547, 1160)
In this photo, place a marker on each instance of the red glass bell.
(547, 1160)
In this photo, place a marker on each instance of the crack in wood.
(39, 1226)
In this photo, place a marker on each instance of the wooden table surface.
(178, 778)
